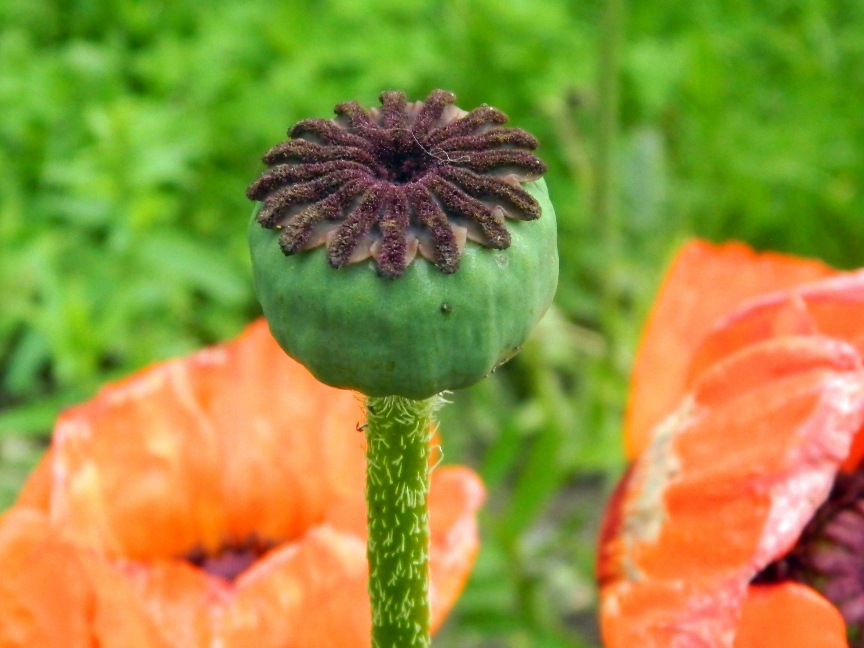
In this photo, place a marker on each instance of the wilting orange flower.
(213, 501)
(740, 522)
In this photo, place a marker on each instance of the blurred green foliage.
(129, 130)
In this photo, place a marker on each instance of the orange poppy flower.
(740, 523)
(216, 500)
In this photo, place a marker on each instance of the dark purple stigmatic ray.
(395, 181)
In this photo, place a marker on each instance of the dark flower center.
(230, 560)
(829, 555)
(404, 159)
(399, 180)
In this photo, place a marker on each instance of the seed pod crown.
(393, 182)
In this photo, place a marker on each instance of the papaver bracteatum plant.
(402, 251)
(740, 522)
(214, 500)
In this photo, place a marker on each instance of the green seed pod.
(404, 250)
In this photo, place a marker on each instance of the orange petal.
(309, 595)
(119, 619)
(832, 307)
(231, 441)
(650, 616)
(760, 364)
(179, 599)
(305, 594)
(455, 495)
(45, 597)
(789, 615)
(856, 453)
(291, 597)
(49, 596)
(704, 282)
(726, 486)
(36, 491)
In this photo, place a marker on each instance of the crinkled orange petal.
(789, 615)
(758, 365)
(856, 453)
(50, 597)
(650, 616)
(305, 594)
(705, 282)
(832, 307)
(179, 599)
(36, 492)
(119, 620)
(730, 479)
(310, 593)
(455, 496)
(45, 597)
(231, 441)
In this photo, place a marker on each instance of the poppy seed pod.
(403, 250)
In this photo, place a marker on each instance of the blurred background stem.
(605, 187)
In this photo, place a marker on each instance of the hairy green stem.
(397, 486)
